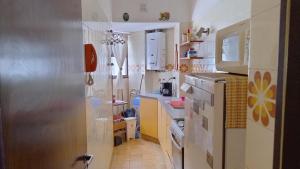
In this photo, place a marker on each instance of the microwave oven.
(233, 48)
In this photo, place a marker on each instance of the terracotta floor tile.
(137, 157)
(139, 154)
(135, 164)
(121, 165)
(123, 157)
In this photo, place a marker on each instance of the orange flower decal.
(169, 67)
(184, 68)
(261, 98)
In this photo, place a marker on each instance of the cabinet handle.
(173, 139)
(205, 123)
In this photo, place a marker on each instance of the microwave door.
(232, 48)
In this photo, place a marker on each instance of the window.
(115, 68)
(230, 48)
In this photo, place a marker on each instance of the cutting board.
(177, 104)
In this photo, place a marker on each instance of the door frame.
(1, 143)
(287, 129)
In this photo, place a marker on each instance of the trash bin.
(136, 102)
(130, 128)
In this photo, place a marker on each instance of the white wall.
(265, 20)
(136, 60)
(179, 9)
(220, 13)
(96, 10)
(98, 111)
(215, 14)
(170, 46)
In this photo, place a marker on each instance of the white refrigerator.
(208, 144)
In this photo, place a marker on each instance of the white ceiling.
(141, 26)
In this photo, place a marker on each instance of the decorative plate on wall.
(125, 16)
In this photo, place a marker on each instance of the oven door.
(177, 153)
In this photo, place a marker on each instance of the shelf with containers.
(188, 51)
(188, 43)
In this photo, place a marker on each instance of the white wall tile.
(265, 39)
(263, 97)
(258, 6)
(98, 115)
(259, 149)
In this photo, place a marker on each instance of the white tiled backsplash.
(265, 39)
(263, 74)
(206, 50)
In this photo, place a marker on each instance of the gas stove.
(180, 124)
(176, 129)
(177, 137)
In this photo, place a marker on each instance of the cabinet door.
(148, 115)
(163, 129)
(159, 122)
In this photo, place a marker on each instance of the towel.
(236, 101)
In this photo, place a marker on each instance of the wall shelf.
(191, 58)
(188, 43)
(120, 103)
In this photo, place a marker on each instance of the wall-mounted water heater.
(156, 51)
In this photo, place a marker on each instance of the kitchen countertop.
(165, 102)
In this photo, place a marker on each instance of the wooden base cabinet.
(159, 122)
(149, 119)
(168, 136)
(164, 136)
(155, 124)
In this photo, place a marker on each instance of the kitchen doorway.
(287, 130)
